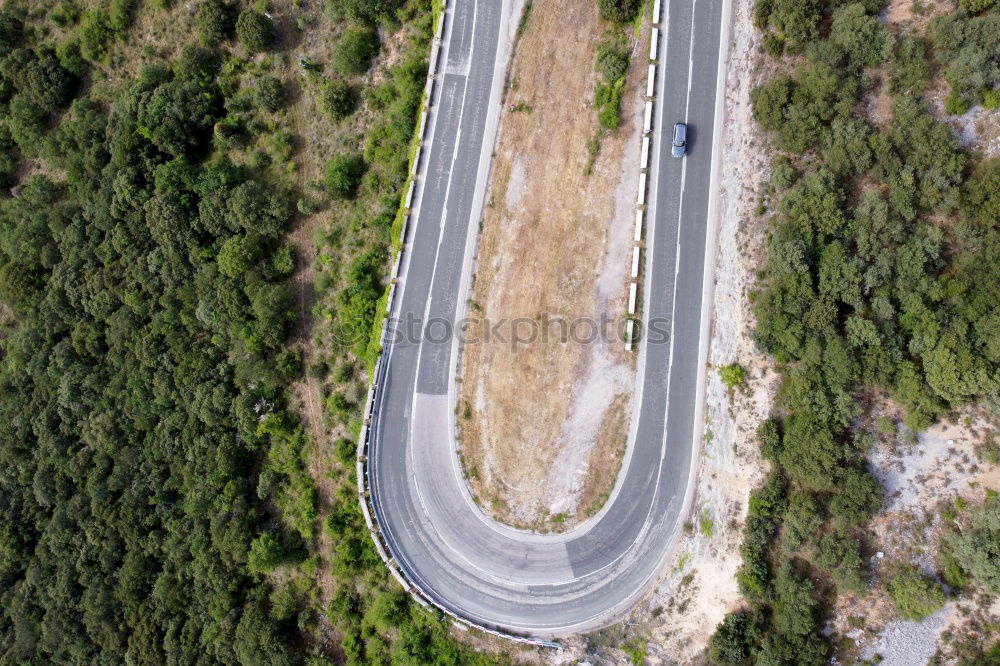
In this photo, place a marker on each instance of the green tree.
(858, 498)
(729, 645)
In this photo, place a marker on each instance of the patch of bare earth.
(545, 406)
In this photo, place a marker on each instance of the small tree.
(343, 175)
(864, 38)
(255, 31)
(977, 547)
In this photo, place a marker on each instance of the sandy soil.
(544, 421)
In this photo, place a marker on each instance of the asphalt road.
(491, 574)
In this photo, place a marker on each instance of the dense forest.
(880, 280)
(156, 505)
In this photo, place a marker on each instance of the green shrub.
(956, 104)
(916, 596)
(612, 59)
(11, 27)
(619, 11)
(732, 375)
(908, 68)
(609, 99)
(774, 45)
(269, 93)
(338, 99)
(729, 645)
(864, 38)
(802, 520)
(353, 54)
(254, 30)
(266, 553)
(858, 497)
(368, 12)
(343, 175)
(991, 99)
(840, 556)
(976, 6)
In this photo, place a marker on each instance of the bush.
(269, 93)
(618, 11)
(916, 595)
(858, 497)
(991, 99)
(255, 31)
(774, 45)
(733, 375)
(908, 69)
(956, 104)
(343, 175)
(214, 21)
(976, 6)
(338, 99)
(612, 60)
(354, 53)
(802, 520)
(11, 28)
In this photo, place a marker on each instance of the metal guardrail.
(365, 442)
(644, 151)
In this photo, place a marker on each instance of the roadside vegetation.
(613, 60)
(158, 486)
(878, 281)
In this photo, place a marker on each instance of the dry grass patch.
(542, 438)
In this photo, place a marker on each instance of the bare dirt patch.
(544, 422)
